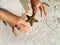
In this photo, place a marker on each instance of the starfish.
(31, 20)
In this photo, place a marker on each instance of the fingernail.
(27, 33)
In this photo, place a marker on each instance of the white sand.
(40, 34)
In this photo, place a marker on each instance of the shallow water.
(45, 32)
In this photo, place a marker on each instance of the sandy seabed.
(45, 32)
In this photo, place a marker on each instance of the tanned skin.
(14, 21)
(35, 5)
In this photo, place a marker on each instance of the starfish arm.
(28, 16)
(35, 20)
(45, 4)
(31, 23)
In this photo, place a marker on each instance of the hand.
(21, 26)
(36, 4)
(41, 7)
(13, 21)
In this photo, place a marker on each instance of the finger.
(4, 22)
(34, 10)
(22, 31)
(40, 10)
(44, 10)
(24, 22)
(19, 28)
(45, 4)
(14, 31)
(24, 27)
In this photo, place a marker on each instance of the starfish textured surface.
(31, 20)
